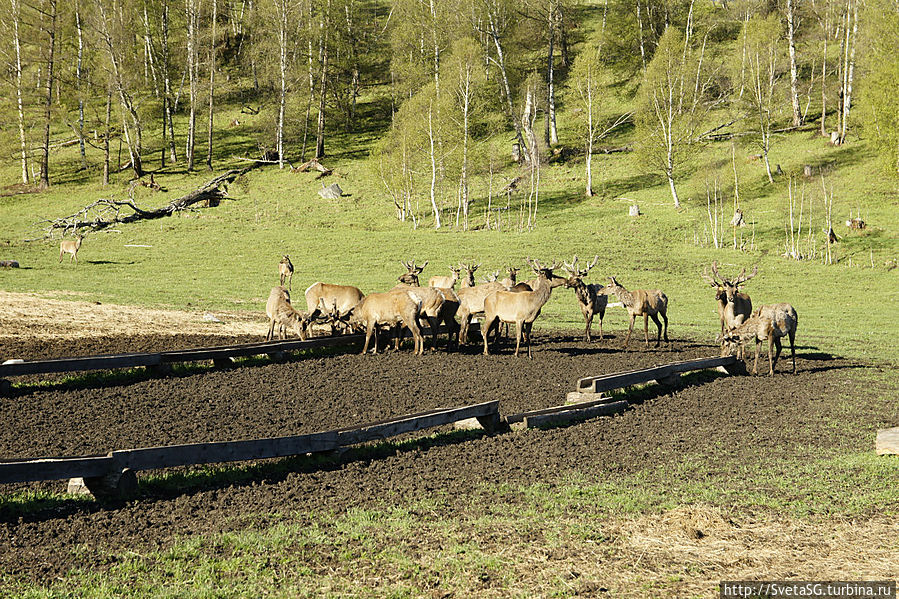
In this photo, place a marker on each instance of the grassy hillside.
(226, 257)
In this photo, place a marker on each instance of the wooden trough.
(112, 475)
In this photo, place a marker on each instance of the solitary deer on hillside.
(285, 269)
(641, 302)
(590, 297)
(734, 306)
(769, 323)
(70, 246)
(446, 282)
(522, 308)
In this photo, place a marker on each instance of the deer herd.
(497, 302)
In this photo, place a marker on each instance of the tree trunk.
(21, 110)
(167, 120)
(501, 62)
(794, 78)
(79, 75)
(640, 33)
(850, 68)
(311, 79)
(824, 85)
(433, 170)
(211, 84)
(552, 137)
(669, 172)
(51, 55)
(320, 137)
(282, 64)
(192, 12)
(590, 135)
(106, 138)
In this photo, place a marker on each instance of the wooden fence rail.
(667, 373)
(151, 458)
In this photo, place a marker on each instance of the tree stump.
(887, 441)
(634, 210)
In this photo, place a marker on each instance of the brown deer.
(641, 302)
(734, 306)
(281, 313)
(446, 282)
(471, 304)
(327, 297)
(390, 308)
(468, 279)
(590, 298)
(770, 323)
(285, 269)
(522, 307)
(512, 278)
(70, 246)
(432, 299)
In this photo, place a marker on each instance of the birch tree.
(669, 106)
(48, 10)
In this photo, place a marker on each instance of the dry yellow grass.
(47, 317)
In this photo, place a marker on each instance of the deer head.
(469, 270)
(574, 272)
(412, 272)
(729, 288)
(541, 271)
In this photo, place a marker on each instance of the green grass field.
(226, 258)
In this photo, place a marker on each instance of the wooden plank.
(75, 364)
(887, 441)
(598, 384)
(22, 471)
(521, 416)
(571, 415)
(414, 422)
(580, 397)
(255, 349)
(149, 458)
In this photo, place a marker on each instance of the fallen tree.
(106, 212)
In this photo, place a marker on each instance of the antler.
(705, 276)
(742, 279)
(717, 276)
(592, 264)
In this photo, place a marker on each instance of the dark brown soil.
(780, 414)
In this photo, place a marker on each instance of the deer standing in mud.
(734, 306)
(648, 303)
(769, 323)
(437, 304)
(391, 308)
(70, 246)
(590, 298)
(282, 314)
(521, 307)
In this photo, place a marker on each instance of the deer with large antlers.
(512, 278)
(648, 303)
(433, 299)
(522, 307)
(590, 297)
(328, 298)
(734, 306)
(768, 323)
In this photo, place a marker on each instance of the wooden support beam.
(598, 384)
(598, 401)
(20, 471)
(405, 424)
(887, 442)
(574, 414)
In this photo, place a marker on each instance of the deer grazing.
(590, 297)
(445, 282)
(285, 269)
(521, 307)
(734, 306)
(390, 308)
(641, 302)
(432, 299)
(769, 323)
(70, 246)
(281, 313)
(332, 298)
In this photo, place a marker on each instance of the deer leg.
(60, 255)
(485, 331)
(646, 329)
(519, 329)
(588, 316)
(793, 349)
(434, 324)
(758, 348)
(465, 320)
(602, 314)
(655, 319)
(527, 330)
(271, 331)
(630, 330)
(779, 346)
(665, 318)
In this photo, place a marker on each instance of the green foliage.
(879, 93)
